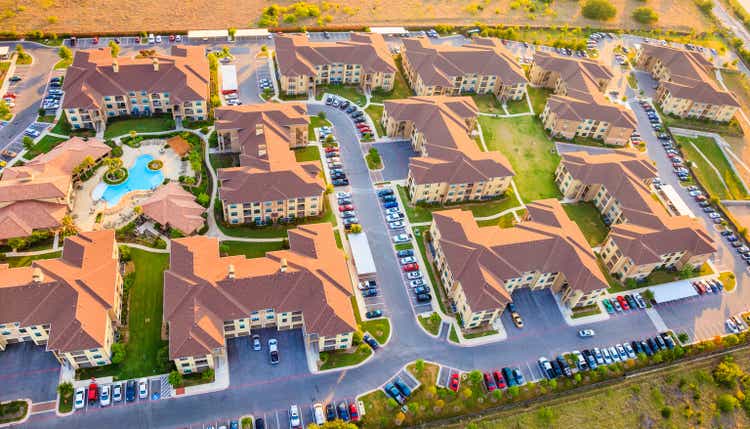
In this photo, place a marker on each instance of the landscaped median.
(484, 208)
(721, 181)
(13, 411)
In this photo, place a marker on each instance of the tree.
(338, 424)
(118, 352)
(124, 253)
(232, 31)
(600, 10)
(28, 142)
(4, 109)
(18, 243)
(357, 337)
(175, 378)
(322, 115)
(648, 295)
(731, 340)
(203, 199)
(65, 389)
(683, 337)
(475, 376)
(68, 226)
(225, 51)
(84, 165)
(497, 394)
(65, 53)
(514, 391)
(114, 48)
(207, 374)
(727, 372)
(726, 403)
(419, 365)
(645, 15)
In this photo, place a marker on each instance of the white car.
(394, 211)
(178, 38)
(416, 282)
(117, 392)
(714, 215)
(142, 390)
(393, 218)
(401, 238)
(408, 260)
(104, 396)
(614, 354)
(158, 39)
(414, 275)
(341, 195)
(629, 350)
(621, 350)
(294, 419)
(692, 193)
(585, 333)
(320, 417)
(256, 343)
(80, 398)
(639, 301)
(151, 38)
(395, 225)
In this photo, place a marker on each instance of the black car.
(590, 359)
(329, 101)
(370, 341)
(359, 121)
(631, 301)
(343, 411)
(260, 423)
(330, 412)
(344, 105)
(357, 114)
(130, 391)
(508, 376)
(660, 342)
(424, 297)
(668, 340)
(564, 366)
(636, 347)
(556, 368)
(340, 182)
(351, 109)
(647, 348)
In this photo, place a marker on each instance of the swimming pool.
(139, 178)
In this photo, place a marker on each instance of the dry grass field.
(100, 16)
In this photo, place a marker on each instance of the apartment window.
(37, 334)
(101, 362)
(6, 332)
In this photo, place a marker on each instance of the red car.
(623, 303)
(489, 382)
(332, 149)
(93, 392)
(362, 125)
(499, 379)
(346, 207)
(171, 37)
(9, 95)
(700, 198)
(353, 414)
(411, 267)
(96, 40)
(453, 384)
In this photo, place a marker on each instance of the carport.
(673, 291)
(251, 34)
(361, 254)
(208, 34)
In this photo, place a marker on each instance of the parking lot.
(247, 366)
(158, 388)
(395, 156)
(28, 371)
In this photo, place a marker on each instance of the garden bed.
(116, 176)
(13, 411)
(155, 165)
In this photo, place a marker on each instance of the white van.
(151, 38)
(320, 417)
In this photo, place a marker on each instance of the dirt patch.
(89, 16)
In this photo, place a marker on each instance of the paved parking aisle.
(395, 156)
(28, 371)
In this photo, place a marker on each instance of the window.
(6, 332)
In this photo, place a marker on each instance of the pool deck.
(84, 208)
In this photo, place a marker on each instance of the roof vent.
(155, 62)
(115, 66)
(230, 274)
(37, 276)
(258, 129)
(283, 265)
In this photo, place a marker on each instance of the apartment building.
(484, 66)
(209, 298)
(480, 267)
(99, 87)
(269, 185)
(364, 60)
(450, 167)
(686, 86)
(37, 195)
(579, 106)
(643, 236)
(71, 304)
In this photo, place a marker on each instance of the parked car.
(273, 351)
(104, 396)
(330, 412)
(407, 260)
(414, 275)
(384, 192)
(489, 382)
(393, 392)
(585, 333)
(130, 391)
(295, 421)
(80, 396)
(256, 342)
(353, 413)
(370, 341)
(142, 389)
(373, 314)
(405, 390)
(424, 297)
(117, 392)
(405, 253)
(401, 238)
(421, 290)
(410, 267)
(416, 282)
(546, 367)
(318, 415)
(454, 382)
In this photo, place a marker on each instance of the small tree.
(65, 389)
(232, 31)
(419, 365)
(68, 226)
(600, 10)
(683, 337)
(175, 378)
(28, 142)
(207, 374)
(726, 403)
(118, 352)
(648, 295)
(645, 15)
(114, 48)
(65, 53)
(203, 199)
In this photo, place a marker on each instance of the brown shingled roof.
(172, 205)
(438, 65)
(268, 168)
(184, 75)
(451, 155)
(649, 230)
(26, 191)
(297, 55)
(583, 100)
(74, 296)
(483, 258)
(199, 294)
(689, 75)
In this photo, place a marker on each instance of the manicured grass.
(48, 119)
(376, 113)
(144, 322)
(286, 97)
(374, 161)
(65, 405)
(309, 153)
(431, 324)
(400, 87)
(505, 221)
(587, 217)
(62, 126)
(453, 336)
(337, 236)
(380, 329)
(538, 98)
(316, 122)
(437, 286)
(403, 246)
(488, 103)
(707, 175)
(13, 411)
(44, 145)
(729, 280)
(731, 128)
(423, 213)
(251, 250)
(63, 64)
(269, 231)
(342, 358)
(586, 311)
(533, 156)
(141, 125)
(479, 334)
(350, 92)
(517, 106)
(25, 261)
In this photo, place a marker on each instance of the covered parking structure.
(252, 34)
(197, 35)
(362, 256)
(673, 291)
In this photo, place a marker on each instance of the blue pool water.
(139, 178)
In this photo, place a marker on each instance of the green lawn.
(63, 64)
(479, 334)
(316, 122)
(435, 280)
(731, 128)
(341, 358)
(350, 92)
(144, 322)
(25, 261)
(44, 145)
(705, 174)
(587, 217)
(48, 119)
(488, 103)
(431, 324)
(337, 236)
(538, 98)
(400, 87)
(517, 106)
(309, 153)
(423, 213)
(376, 112)
(505, 221)
(251, 250)
(453, 336)
(533, 156)
(380, 329)
(141, 125)
(269, 231)
(62, 126)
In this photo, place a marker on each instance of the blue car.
(130, 391)
(384, 192)
(405, 253)
(391, 390)
(402, 387)
(390, 204)
(388, 198)
(369, 292)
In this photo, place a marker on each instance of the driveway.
(249, 367)
(570, 147)
(28, 371)
(395, 156)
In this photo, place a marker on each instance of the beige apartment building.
(99, 87)
(71, 305)
(364, 61)
(686, 85)
(579, 106)
(643, 236)
(480, 267)
(484, 66)
(450, 168)
(209, 298)
(269, 185)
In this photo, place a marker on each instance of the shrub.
(600, 10)
(645, 15)
(207, 374)
(118, 352)
(726, 403)
(175, 378)
(666, 412)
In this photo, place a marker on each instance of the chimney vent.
(283, 265)
(115, 66)
(155, 62)
(37, 276)
(231, 271)
(258, 129)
